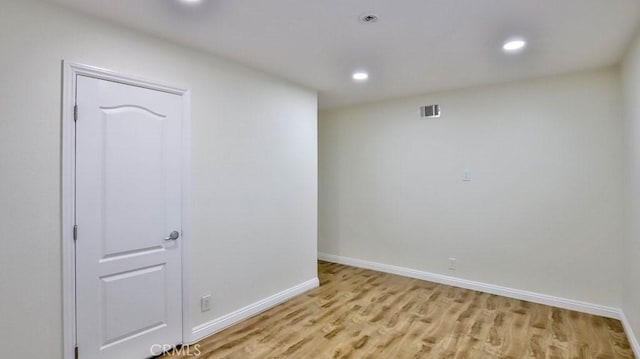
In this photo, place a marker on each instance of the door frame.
(70, 72)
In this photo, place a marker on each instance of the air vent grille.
(430, 111)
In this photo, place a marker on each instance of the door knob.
(173, 236)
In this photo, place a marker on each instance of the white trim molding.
(71, 71)
(633, 340)
(571, 304)
(225, 321)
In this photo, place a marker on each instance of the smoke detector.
(369, 18)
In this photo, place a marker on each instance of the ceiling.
(417, 46)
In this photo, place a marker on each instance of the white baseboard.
(633, 340)
(579, 306)
(204, 330)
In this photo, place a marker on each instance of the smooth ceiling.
(417, 46)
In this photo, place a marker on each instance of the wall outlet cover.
(205, 303)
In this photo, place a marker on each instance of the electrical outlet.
(205, 303)
(452, 263)
(466, 175)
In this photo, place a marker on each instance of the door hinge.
(75, 232)
(76, 353)
(75, 113)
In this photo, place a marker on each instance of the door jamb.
(70, 72)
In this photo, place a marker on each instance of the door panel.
(127, 295)
(133, 207)
(128, 201)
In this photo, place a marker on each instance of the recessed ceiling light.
(360, 76)
(514, 45)
(191, 1)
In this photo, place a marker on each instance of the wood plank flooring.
(358, 313)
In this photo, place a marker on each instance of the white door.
(128, 202)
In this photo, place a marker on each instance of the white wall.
(254, 169)
(542, 212)
(631, 249)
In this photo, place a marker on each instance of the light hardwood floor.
(358, 313)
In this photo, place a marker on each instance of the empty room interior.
(320, 179)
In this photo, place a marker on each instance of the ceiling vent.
(430, 111)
